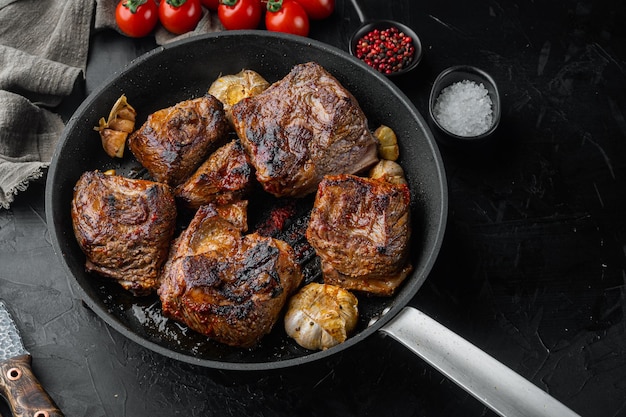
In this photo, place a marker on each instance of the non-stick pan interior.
(184, 70)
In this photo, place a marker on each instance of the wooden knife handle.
(22, 390)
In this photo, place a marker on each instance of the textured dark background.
(531, 270)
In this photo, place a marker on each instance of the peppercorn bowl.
(464, 107)
(389, 47)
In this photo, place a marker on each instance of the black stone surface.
(532, 269)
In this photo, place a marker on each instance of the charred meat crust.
(360, 228)
(223, 178)
(124, 227)
(174, 141)
(301, 128)
(226, 286)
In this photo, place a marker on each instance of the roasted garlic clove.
(387, 143)
(115, 130)
(389, 171)
(229, 89)
(321, 316)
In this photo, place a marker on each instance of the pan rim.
(401, 300)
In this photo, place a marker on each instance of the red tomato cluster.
(289, 16)
(138, 18)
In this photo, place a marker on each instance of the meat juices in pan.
(174, 141)
(360, 228)
(301, 128)
(124, 226)
(225, 285)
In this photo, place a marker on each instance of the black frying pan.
(184, 70)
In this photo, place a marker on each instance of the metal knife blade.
(10, 341)
(18, 384)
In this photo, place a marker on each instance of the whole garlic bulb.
(231, 88)
(321, 316)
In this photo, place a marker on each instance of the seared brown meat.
(124, 227)
(301, 128)
(226, 286)
(174, 141)
(360, 229)
(223, 178)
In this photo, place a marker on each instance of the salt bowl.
(464, 106)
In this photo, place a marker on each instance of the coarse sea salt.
(464, 109)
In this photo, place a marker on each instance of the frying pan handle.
(494, 384)
(359, 11)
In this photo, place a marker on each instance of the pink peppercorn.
(387, 51)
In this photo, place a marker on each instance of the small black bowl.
(453, 75)
(367, 27)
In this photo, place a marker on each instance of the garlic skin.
(387, 143)
(115, 130)
(389, 171)
(321, 316)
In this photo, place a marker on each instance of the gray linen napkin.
(43, 54)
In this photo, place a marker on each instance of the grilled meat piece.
(226, 286)
(174, 141)
(236, 213)
(360, 229)
(124, 226)
(223, 178)
(301, 128)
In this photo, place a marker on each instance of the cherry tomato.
(210, 4)
(240, 14)
(180, 16)
(318, 9)
(286, 16)
(136, 18)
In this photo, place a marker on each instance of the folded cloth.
(43, 54)
(26, 142)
